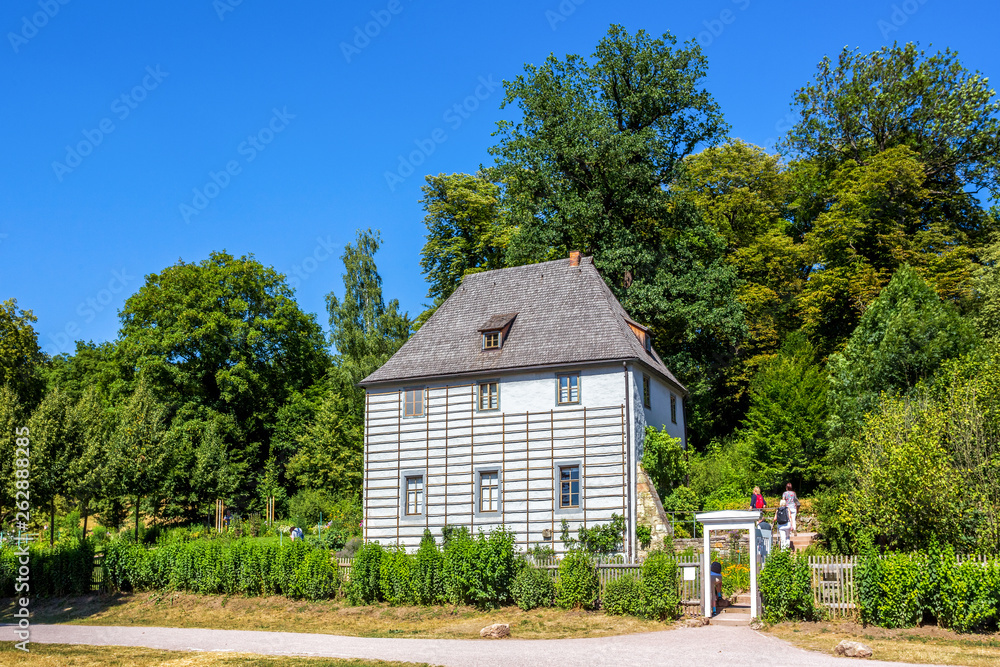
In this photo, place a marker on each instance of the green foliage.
(224, 340)
(663, 460)
(905, 335)
(735, 578)
(395, 576)
(786, 588)
(61, 570)
(785, 426)
(480, 571)
(20, 355)
(644, 534)
(466, 232)
(578, 586)
(308, 505)
(428, 572)
(603, 539)
(329, 452)
(366, 570)
(723, 472)
(623, 596)
(533, 587)
(659, 598)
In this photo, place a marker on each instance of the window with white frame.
(415, 494)
(569, 388)
(489, 491)
(489, 395)
(413, 403)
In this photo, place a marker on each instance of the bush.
(317, 578)
(644, 534)
(735, 578)
(480, 571)
(623, 596)
(428, 572)
(63, 569)
(578, 585)
(533, 587)
(366, 571)
(659, 587)
(307, 506)
(786, 588)
(395, 576)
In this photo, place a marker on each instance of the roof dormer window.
(492, 340)
(496, 330)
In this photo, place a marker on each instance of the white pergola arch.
(729, 520)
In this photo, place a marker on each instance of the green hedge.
(64, 569)
(900, 590)
(786, 588)
(241, 567)
(652, 595)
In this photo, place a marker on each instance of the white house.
(523, 401)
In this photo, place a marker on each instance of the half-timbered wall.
(453, 442)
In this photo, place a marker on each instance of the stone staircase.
(802, 540)
(737, 613)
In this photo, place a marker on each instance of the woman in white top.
(781, 519)
(792, 501)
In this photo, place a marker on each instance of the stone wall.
(649, 511)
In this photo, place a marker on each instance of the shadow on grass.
(66, 609)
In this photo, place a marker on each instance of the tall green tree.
(590, 167)
(54, 448)
(11, 418)
(904, 337)
(329, 454)
(786, 423)
(138, 457)
(223, 341)
(20, 356)
(365, 330)
(88, 474)
(466, 230)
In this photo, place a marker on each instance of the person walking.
(782, 519)
(792, 501)
(757, 501)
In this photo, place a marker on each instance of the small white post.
(753, 570)
(706, 573)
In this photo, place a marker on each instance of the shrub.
(63, 569)
(308, 505)
(578, 585)
(480, 571)
(659, 587)
(428, 572)
(533, 587)
(623, 596)
(786, 588)
(395, 576)
(317, 578)
(644, 534)
(366, 568)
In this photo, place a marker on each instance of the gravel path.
(731, 646)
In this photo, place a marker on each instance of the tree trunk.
(137, 519)
(86, 515)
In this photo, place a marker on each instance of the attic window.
(491, 340)
(496, 330)
(646, 342)
(642, 333)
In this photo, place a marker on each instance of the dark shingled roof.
(564, 315)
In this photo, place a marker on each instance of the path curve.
(731, 646)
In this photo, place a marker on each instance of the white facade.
(452, 463)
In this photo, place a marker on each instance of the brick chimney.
(574, 258)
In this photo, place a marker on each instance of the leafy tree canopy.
(20, 355)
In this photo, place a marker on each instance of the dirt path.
(733, 647)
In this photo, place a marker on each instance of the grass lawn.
(917, 645)
(61, 655)
(279, 614)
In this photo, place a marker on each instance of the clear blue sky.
(199, 78)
